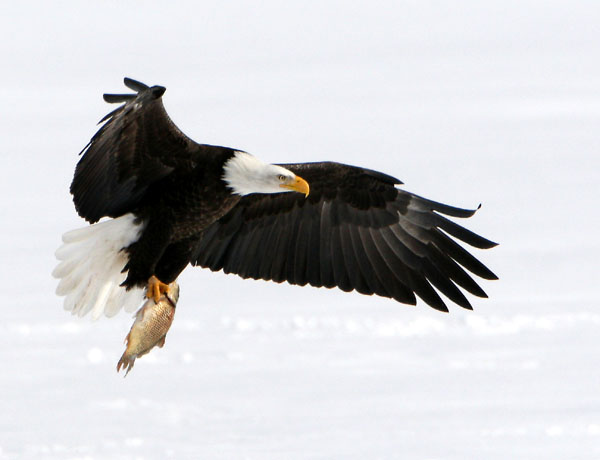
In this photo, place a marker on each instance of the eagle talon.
(156, 289)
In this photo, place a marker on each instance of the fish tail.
(126, 362)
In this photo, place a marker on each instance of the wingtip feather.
(135, 85)
(118, 98)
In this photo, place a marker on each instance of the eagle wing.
(356, 231)
(137, 146)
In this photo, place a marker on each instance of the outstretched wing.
(356, 231)
(137, 146)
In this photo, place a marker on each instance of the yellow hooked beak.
(298, 185)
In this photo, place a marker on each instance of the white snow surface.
(495, 102)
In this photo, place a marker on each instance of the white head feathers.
(246, 174)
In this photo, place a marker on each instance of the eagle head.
(246, 174)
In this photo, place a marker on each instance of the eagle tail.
(91, 268)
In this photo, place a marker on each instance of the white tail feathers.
(90, 270)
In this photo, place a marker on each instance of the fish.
(152, 322)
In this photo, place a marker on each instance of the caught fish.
(152, 322)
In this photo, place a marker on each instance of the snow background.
(495, 102)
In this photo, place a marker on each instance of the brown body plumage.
(152, 322)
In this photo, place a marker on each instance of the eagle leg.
(156, 289)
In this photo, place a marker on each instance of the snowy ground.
(492, 102)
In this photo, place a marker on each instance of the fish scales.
(152, 322)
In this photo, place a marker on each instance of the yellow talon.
(156, 289)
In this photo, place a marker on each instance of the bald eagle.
(169, 202)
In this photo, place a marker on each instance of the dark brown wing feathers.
(356, 231)
(137, 146)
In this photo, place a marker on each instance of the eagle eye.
(282, 178)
